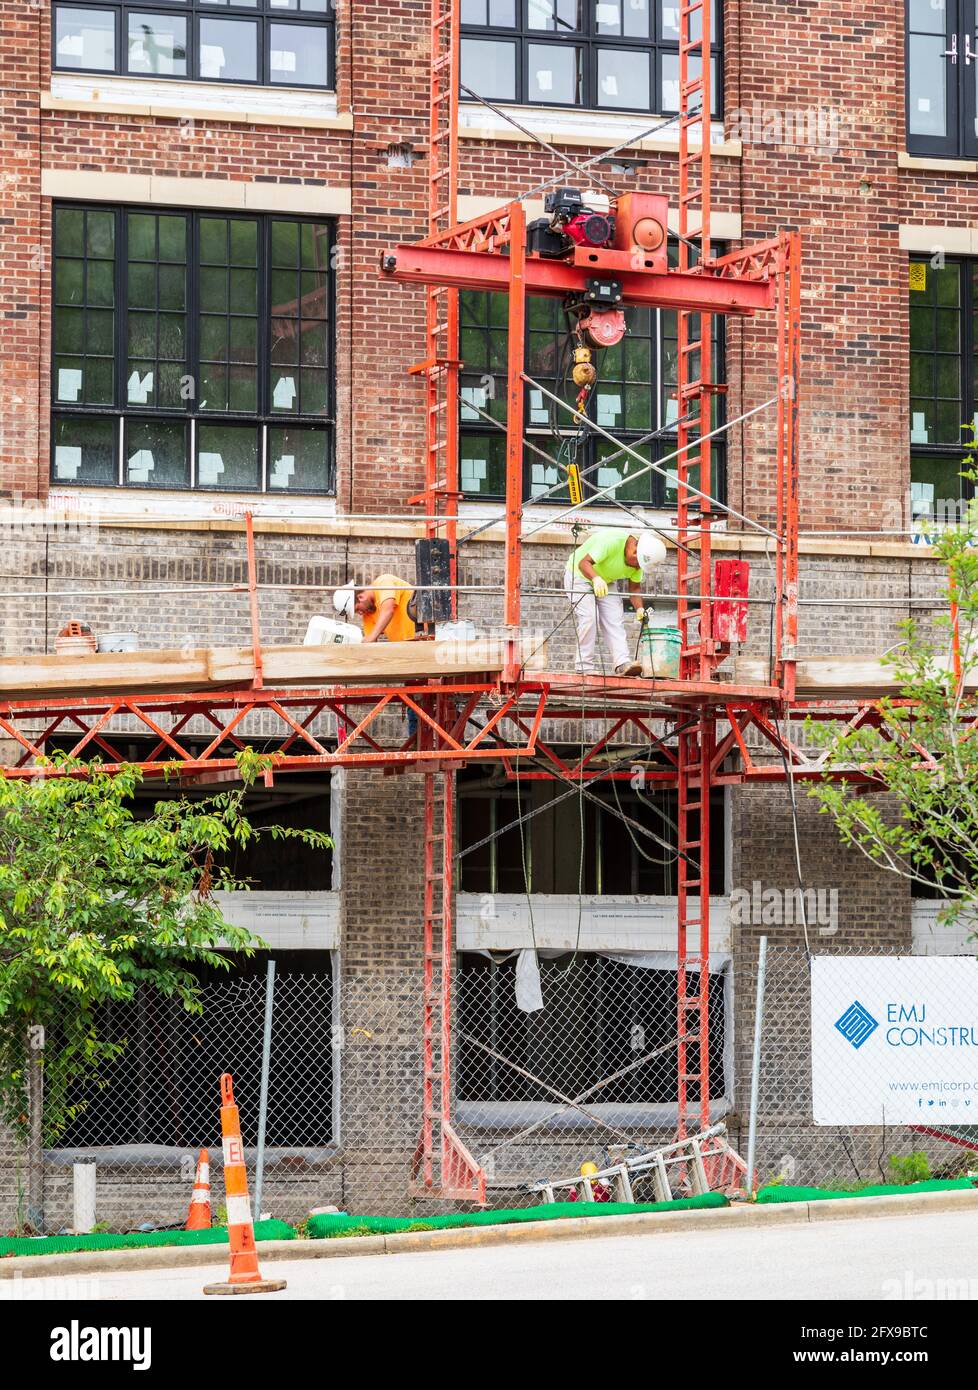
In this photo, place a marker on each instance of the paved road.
(897, 1257)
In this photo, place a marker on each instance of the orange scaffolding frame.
(706, 720)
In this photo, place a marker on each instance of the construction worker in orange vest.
(387, 608)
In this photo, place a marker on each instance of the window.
(942, 71)
(616, 859)
(633, 400)
(164, 1087)
(600, 1015)
(271, 42)
(612, 55)
(191, 350)
(943, 397)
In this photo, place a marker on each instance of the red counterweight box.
(730, 583)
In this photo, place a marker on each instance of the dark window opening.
(616, 859)
(265, 42)
(192, 350)
(941, 58)
(634, 398)
(599, 1016)
(943, 395)
(618, 55)
(164, 1088)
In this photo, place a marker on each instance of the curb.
(528, 1232)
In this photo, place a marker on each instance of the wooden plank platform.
(834, 677)
(374, 663)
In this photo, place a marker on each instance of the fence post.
(266, 1056)
(35, 1127)
(755, 1071)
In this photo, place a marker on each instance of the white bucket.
(326, 632)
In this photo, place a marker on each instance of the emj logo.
(857, 1024)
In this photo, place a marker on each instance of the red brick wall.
(787, 58)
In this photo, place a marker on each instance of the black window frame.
(264, 419)
(591, 41)
(961, 63)
(262, 14)
(594, 444)
(967, 355)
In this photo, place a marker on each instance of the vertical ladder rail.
(443, 1166)
(441, 362)
(696, 750)
(695, 392)
(695, 388)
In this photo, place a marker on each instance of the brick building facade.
(134, 136)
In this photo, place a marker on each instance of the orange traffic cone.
(245, 1276)
(199, 1215)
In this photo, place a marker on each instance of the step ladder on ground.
(689, 1167)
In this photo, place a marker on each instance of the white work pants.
(592, 615)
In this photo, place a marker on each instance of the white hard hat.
(651, 550)
(344, 599)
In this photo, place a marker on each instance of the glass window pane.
(84, 39)
(298, 459)
(935, 487)
(927, 17)
(624, 79)
(229, 50)
(227, 457)
(84, 450)
(156, 453)
(557, 16)
(482, 464)
(489, 68)
(158, 44)
(927, 98)
(69, 231)
(555, 73)
(299, 55)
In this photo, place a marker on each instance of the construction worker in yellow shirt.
(605, 557)
(387, 608)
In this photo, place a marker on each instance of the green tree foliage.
(926, 752)
(97, 901)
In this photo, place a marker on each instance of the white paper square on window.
(918, 429)
(137, 51)
(609, 408)
(212, 60)
(139, 389)
(672, 410)
(283, 60)
(609, 85)
(670, 94)
(473, 396)
(71, 46)
(209, 468)
(923, 104)
(140, 466)
(69, 383)
(670, 19)
(921, 499)
(67, 461)
(282, 470)
(473, 471)
(545, 80)
(284, 393)
(538, 410)
(605, 13)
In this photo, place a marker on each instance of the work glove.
(600, 586)
(640, 616)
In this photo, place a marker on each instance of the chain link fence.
(558, 1058)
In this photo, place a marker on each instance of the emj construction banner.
(895, 1040)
